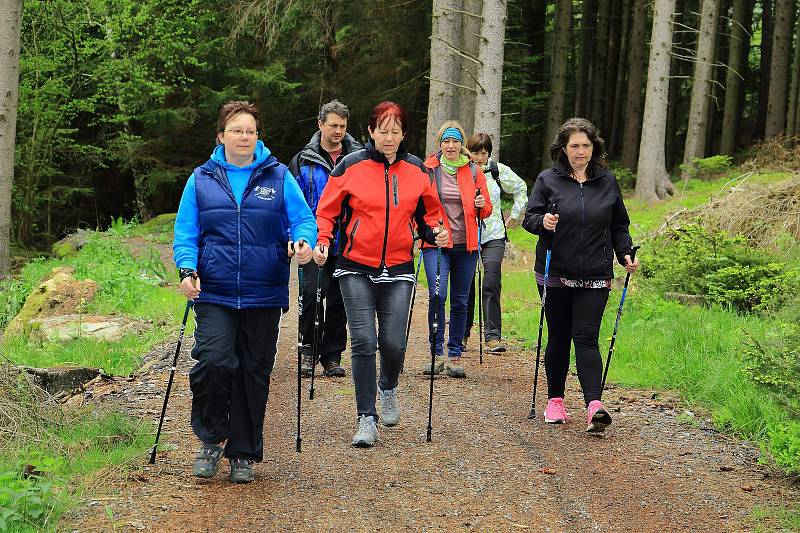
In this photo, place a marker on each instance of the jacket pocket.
(205, 256)
(353, 235)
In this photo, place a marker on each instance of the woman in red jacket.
(461, 186)
(375, 195)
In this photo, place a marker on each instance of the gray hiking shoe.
(206, 462)
(438, 366)
(455, 369)
(242, 470)
(367, 432)
(390, 409)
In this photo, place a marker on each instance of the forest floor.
(487, 468)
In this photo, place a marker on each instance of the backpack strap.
(495, 171)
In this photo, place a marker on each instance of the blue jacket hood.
(261, 154)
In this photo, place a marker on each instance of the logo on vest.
(264, 193)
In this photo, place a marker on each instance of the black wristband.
(186, 272)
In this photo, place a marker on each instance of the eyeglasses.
(239, 133)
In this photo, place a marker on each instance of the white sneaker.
(390, 409)
(367, 432)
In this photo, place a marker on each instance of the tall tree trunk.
(697, 129)
(678, 69)
(10, 22)
(588, 28)
(616, 116)
(794, 92)
(490, 73)
(614, 43)
(633, 102)
(779, 68)
(652, 182)
(717, 82)
(767, 26)
(445, 68)
(597, 114)
(558, 75)
(534, 17)
(470, 45)
(737, 70)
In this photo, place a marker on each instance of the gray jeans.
(492, 257)
(363, 301)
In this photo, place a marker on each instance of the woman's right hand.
(442, 237)
(320, 254)
(190, 286)
(550, 221)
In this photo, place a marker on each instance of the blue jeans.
(457, 267)
(363, 300)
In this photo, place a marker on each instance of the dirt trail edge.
(488, 467)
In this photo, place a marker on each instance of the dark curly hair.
(578, 125)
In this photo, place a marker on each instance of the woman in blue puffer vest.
(230, 236)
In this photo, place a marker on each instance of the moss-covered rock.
(59, 294)
(69, 245)
(161, 224)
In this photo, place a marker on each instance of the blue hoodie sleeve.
(187, 229)
(302, 224)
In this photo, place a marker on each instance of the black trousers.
(332, 333)
(573, 317)
(235, 352)
(492, 257)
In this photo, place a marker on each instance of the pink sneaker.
(555, 412)
(598, 419)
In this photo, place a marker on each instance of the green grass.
(776, 518)
(128, 286)
(67, 461)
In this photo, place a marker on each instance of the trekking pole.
(411, 309)
(435, 332)
(616, 322)
(317, 312)
(298, 445)
(532, 413)
(189, 304)
(480, 284)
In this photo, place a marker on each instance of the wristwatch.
(186, 272)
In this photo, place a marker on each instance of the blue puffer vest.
(243, 259)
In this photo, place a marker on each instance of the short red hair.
(388, 110)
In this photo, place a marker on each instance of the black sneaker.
(333, 370)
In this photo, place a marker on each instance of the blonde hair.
(457, 125)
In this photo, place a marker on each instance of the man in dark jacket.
(311, 167)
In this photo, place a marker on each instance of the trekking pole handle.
(633, 252)
(553, 211)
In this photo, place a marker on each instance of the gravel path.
(487, 469)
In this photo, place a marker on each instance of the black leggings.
(574, 316)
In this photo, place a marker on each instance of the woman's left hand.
(480, 201)
(631, 267)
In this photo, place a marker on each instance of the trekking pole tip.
(152, 460)
(532, 414)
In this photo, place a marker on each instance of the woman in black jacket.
(595, 227)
